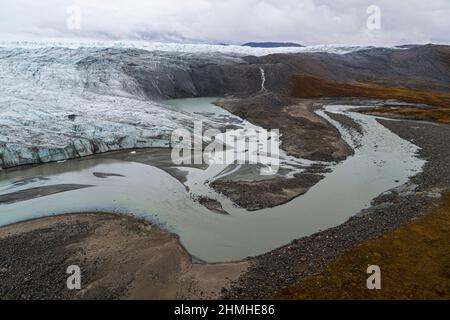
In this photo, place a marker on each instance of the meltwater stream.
(383, 161)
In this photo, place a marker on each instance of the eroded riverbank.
(95, 100)
(414, 260)
(119, 257)
(268, 273)
(288, 265)
(383, 162)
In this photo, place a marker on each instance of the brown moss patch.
(441, 115)
(438, 102)
(414, 262)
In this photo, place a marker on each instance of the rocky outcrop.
(177, 75)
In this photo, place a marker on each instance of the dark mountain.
(425, 67)
(173, 75)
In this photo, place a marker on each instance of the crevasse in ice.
(60, 103)
(63, 100)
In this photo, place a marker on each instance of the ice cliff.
(61, 103)
(65, 100)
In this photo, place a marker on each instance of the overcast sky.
(229, 21)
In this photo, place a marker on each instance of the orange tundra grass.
(414, 261)
(438, 102)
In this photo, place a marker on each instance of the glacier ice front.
(60, 103)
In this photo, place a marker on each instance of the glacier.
(235, 50)
(62, 103)
(62, 100)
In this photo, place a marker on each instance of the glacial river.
(382, 162)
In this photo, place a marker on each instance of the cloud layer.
(229, 21)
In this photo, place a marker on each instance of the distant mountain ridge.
(272, 45)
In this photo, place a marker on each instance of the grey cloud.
(231, 21)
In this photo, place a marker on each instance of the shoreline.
(277, 189)
(144, 261)
(117, 104)
(402, 256)
(277, 270)
(306, 256)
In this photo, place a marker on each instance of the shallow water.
(384, 161)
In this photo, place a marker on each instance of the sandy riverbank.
(125, 258)
(120, 258)
(283, 267)
(414, 262)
